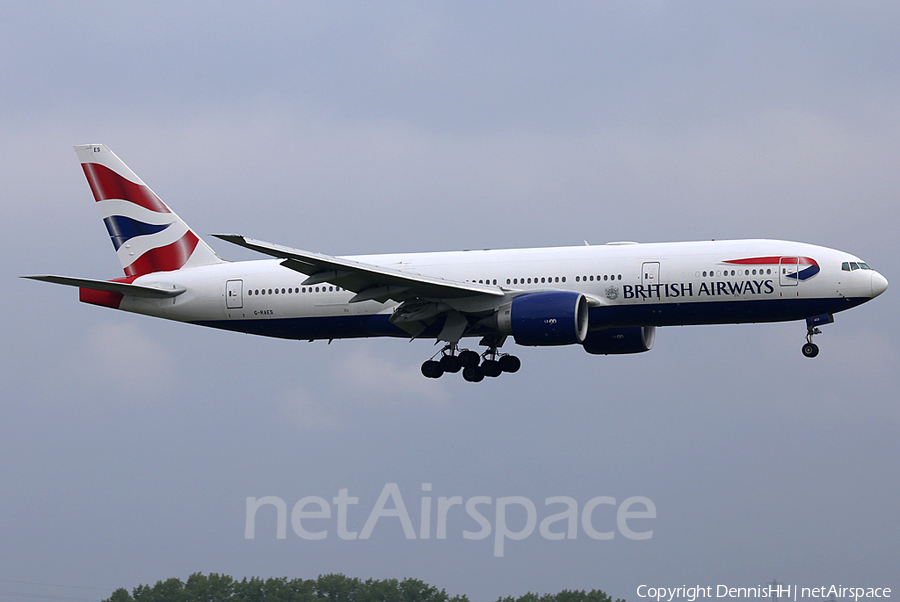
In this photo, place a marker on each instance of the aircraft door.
(650, 273)
(233, 294)
(787, 271)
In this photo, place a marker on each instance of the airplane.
(607, 298)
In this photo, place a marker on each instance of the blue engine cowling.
(614, 341)
(547, 318)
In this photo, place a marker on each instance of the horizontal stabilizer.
(136, 290)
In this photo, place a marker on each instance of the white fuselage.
(630, 285)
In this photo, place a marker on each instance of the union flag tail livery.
(147, 235)
(609, 299)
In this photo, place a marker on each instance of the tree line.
(330, 588)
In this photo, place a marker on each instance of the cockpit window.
(849, 266)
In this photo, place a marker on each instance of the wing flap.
(332, 276)
(378, 293)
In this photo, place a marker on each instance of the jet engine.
(614, 341)
(545, 318)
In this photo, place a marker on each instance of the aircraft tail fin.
(147, 235)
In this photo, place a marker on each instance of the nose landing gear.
(810, 349)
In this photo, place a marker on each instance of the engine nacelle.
(614, 341)
(548, 318)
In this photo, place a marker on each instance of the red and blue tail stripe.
(148, 237)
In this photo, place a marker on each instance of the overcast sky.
(130, 445)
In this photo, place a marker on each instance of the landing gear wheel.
(450, 363)
(810, 350)
(468, 358)
(473, 374)
(491, 368)
(432, 369)
(509, 363)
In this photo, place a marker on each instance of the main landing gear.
(474, 367)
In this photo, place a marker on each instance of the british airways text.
(705, 289)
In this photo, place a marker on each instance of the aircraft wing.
(368, 281)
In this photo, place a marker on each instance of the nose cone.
(879, 284)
